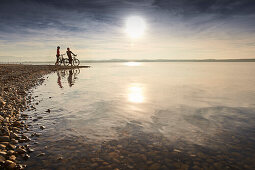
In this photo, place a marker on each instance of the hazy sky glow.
(95, 29)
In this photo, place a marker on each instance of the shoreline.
(15, 82)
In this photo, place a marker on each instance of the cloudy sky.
(96, 29)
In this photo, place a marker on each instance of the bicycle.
(75, 61)
(62, 60)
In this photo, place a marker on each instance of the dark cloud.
(18, 16)
(220, 7)
(62, 14)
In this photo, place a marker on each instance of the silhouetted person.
(59, 80)
(57, 55)
(70, 78)
(69, 54)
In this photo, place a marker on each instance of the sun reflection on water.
(132, 64)
(135, 94)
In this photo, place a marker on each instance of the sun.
(135, 26)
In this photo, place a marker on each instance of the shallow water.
(146, 115)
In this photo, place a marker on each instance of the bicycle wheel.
(76, 62)
(66, 62)
(77, 71)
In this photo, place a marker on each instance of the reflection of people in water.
(59, 80)
(70, 78)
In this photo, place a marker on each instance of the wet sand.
(15, 82)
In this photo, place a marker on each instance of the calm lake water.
(146, 116)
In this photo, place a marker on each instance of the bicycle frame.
(61, 60)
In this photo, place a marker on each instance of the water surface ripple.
(146, 116)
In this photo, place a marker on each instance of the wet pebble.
(2, 159)
(40, 154)
(12, 157)
(4, 138)
(21, 151)
(10, 164)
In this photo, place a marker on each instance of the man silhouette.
(69, 54)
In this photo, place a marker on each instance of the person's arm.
(73, 53)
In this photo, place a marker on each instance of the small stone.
(35, 134)
(17, 124)
(5, 143)
(30, 150)
(2, 147)
(116, 160)
(1, 118)
(12, 157)
(105, 163)
(42, 127)
(13, 141)
(40, 154)
(60, 158)
(176, 150)
(14, 135)
(24, 115)
(12, 146)
(10, 164)
(113, 155)
(2, 159)
(21, 167)
(26, 156)
(3, 153)
(22, 140)
(10, 152)
(48, 110)
(4, 139)
(154, 166)
(94, 165)
(21, 151)
(2, 102)
(39, 117)
(24, 137)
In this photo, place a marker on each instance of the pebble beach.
(15, 82)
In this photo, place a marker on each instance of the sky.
(96, 29)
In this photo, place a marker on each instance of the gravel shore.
(15, 82)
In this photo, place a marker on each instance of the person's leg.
(57, 60)
(70, 60)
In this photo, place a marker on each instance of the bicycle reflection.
(70, 74)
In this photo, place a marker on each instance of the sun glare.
(135, 26)
(135, 94)
(132, 63)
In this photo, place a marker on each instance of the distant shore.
(15, 82)
(137, 60)
(169, 60)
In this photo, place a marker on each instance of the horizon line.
(147, 60)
